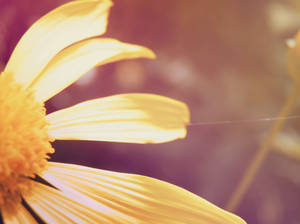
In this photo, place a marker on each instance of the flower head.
(56, 51)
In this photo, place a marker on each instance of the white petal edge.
(73, 62)
(65, 25)
(132, 118)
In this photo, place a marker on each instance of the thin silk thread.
(267, 119)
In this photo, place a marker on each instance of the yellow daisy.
(52, 54)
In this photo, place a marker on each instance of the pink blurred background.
(226, 60)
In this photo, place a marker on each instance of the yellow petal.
(56, 30)
(53, 206)
(135, 118)
(143, 199)
(16, 214)
(71, 63)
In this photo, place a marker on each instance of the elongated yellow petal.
(56, 30)
(16, 214)
(144, 199)
(70, 64)
(135, 118)
(54, 206)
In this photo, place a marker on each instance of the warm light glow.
(42, 65)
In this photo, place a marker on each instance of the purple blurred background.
(226, 60)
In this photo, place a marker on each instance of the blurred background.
(227, 61)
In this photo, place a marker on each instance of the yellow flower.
(52, 54)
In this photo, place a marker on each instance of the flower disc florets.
(24, 141)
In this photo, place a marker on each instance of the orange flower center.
(24, 141)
